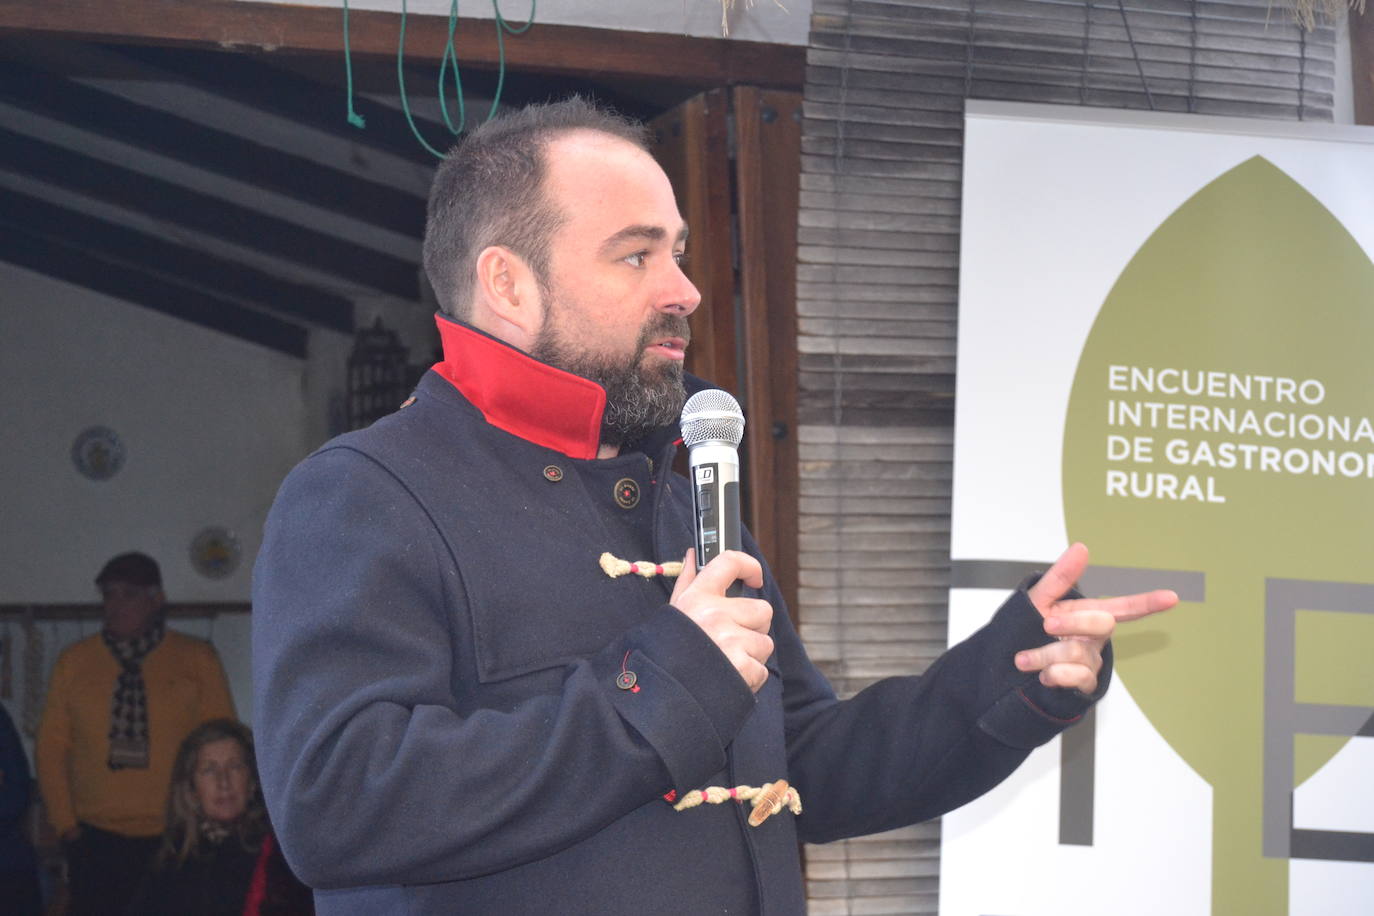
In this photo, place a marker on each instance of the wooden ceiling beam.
(205, 213)
(309, 92)
(226, 154)
(249, 81)
(294, 302)
(235, 78)
(641, 98)
(552, 49)
(69, 264)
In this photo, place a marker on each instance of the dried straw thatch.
(727, 5)
(1306, 10)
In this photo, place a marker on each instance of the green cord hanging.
(401, 82)
(450, 53)
(501, 28)
(353, 117)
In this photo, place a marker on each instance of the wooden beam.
(767, 182)
(71, 265)
(252, 82)
(640, 99)
(227, 154)
(212, 215)
(278, 88)
(1362, 63)
(290, 301)
(272, 27)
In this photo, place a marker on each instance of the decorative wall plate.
(215, 552)
(98, 453)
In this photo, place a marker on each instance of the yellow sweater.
(186, 686)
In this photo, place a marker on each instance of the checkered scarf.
(129, 703)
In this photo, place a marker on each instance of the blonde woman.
(218, 856)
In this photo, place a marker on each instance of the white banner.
(1164, 327)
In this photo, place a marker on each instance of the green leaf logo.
(1220, 422)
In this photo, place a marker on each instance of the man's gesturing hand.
(738, 626)
(1083, 625)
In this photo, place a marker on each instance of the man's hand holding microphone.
(738, 626)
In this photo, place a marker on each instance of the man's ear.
(509, 303)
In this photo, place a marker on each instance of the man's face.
(129, 609)
(615, 301)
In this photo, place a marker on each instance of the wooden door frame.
(768, 132)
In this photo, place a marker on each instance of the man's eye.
(637, 259)
(680, 258)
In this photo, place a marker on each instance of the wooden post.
(1362, 63)
(767, 177)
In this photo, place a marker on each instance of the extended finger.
(1060, 577)
(1123, 607)
(1093, 624)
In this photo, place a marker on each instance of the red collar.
(521, 395)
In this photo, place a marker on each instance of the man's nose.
(681, 296)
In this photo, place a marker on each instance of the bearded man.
(461, 711)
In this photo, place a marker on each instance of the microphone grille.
(712, 416)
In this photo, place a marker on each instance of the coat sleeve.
(14, 776)
(907, 749)
(52, 750)
(373, 772)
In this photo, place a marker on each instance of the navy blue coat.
(16, 853)
(439, 726)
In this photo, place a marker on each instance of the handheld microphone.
(712, 427)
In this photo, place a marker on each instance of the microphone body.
(715, 497)
(712, 427)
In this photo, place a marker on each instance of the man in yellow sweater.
(119, 703)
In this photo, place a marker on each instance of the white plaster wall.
(210, 423)
(786, 22)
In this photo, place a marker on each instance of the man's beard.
(642, 393)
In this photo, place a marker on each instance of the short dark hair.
(489, 191)
(132, 569)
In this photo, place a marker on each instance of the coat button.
(553, 473)
(626, 680)
(626, 493)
